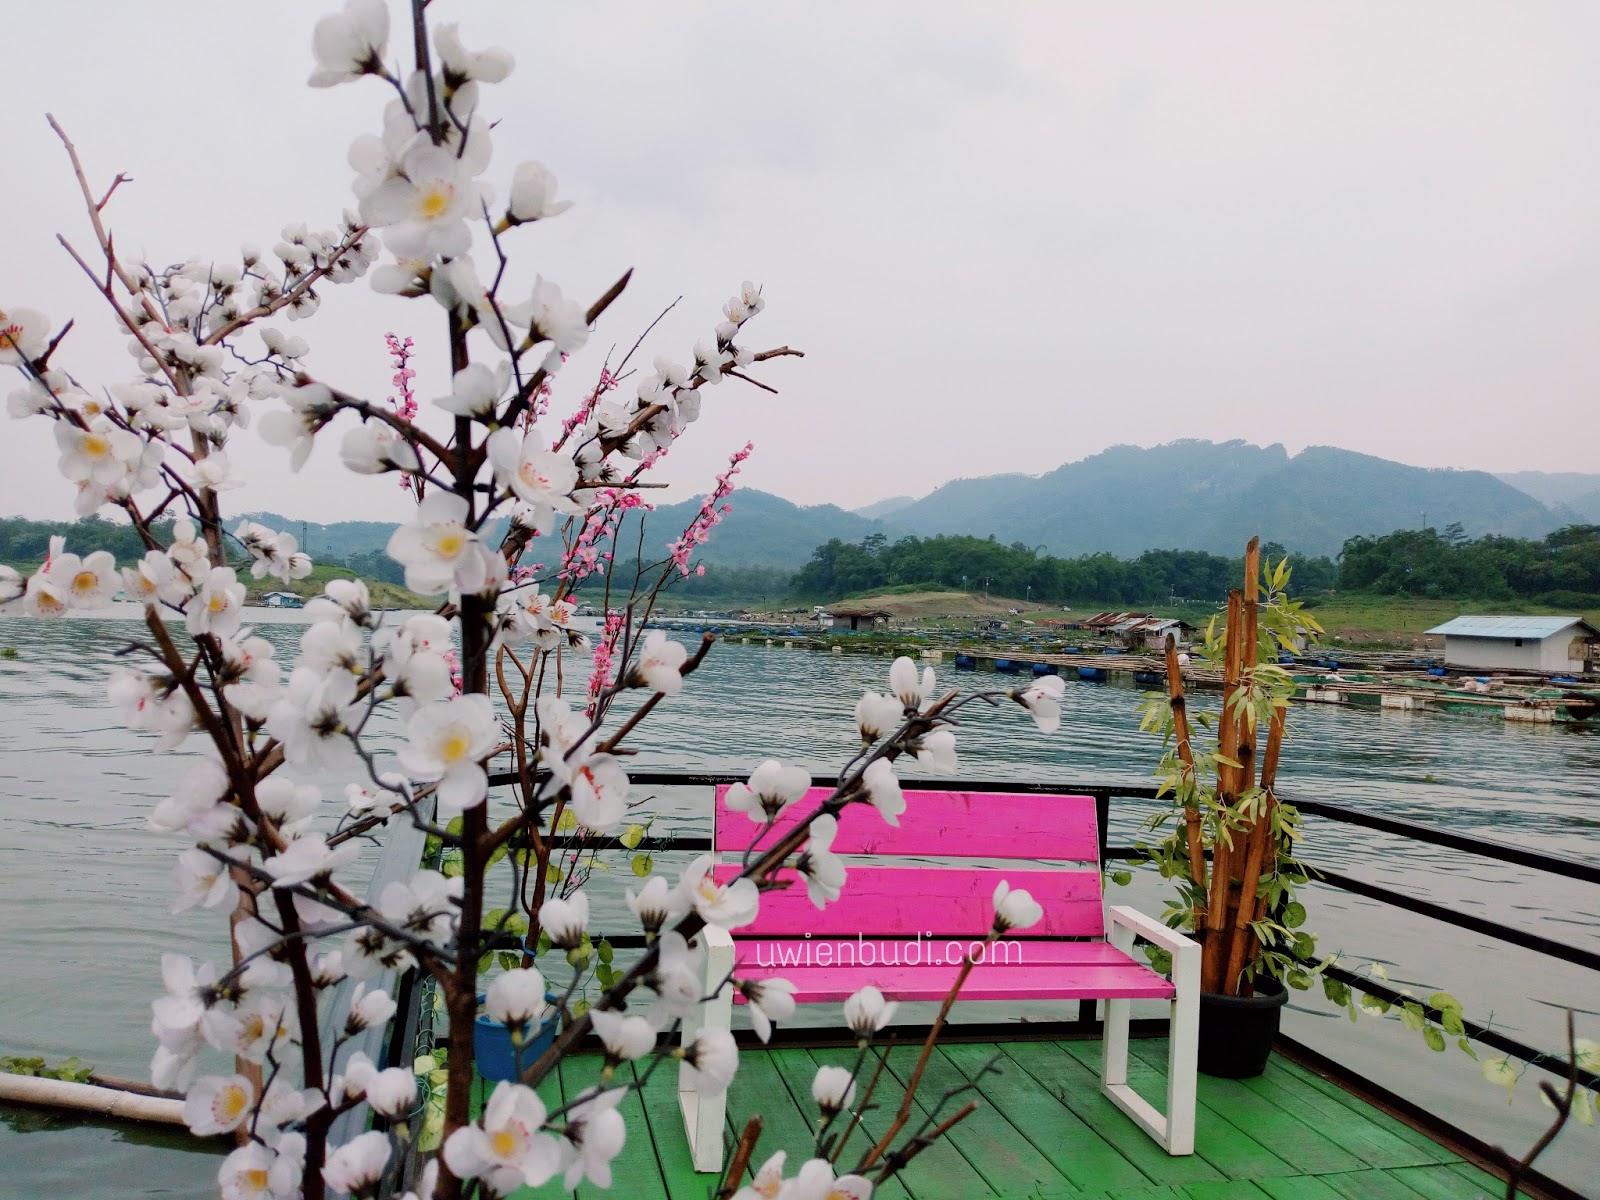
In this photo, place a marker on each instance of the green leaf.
(485, 961)
(1411, 1015)
(1466, 1048)
(1444, 1002)
(1451, 1020)
(552, 874)
(568, 821)
(605, 952)
(1434, 1038)
(1122, 878)
(1335, 991)
(455, 826)
(632, 836)
(509, 959)
(1294, 915)
(641, 865)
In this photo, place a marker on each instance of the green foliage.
(1283, 947)
(877, 566)
(69, 1069)
(1562, 568)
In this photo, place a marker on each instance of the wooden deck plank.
(1224, 1189)
(1368, 1185)
(1447, 1183)
(1492, 1184)
(1153, 1191)
(1366, 1133)
(1073, 1147)
(1302, 1187)
(1229, 1149)
(996, 1149)
(1078, 1088)
(636, 1170)
(660, 1100)
(787, 1125)
(939, 1172)
(1317, 1150)
(1399, 1128)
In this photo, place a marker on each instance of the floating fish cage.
(1046, 669)
(1005, 666)
(965, 662)
(1092, 674)
(1148, 678)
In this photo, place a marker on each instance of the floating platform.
(1043, 1128)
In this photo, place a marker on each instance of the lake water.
(85, 888)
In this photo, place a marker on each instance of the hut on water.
(1539, 645)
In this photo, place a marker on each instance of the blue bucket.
(491, 1044)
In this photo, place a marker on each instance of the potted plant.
(1228, 839)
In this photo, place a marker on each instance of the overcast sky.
(1007, 236)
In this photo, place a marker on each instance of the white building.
(1546, 645)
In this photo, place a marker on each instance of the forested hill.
(1213, 496)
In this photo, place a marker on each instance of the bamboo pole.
(1191, 807)
(1241, 943)
(1212, 959)
(86, 1097)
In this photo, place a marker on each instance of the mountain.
(1212, 496)
(1573, 495)
(884, 508)
(763, 530)
(1186, 495)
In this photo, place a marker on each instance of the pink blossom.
(712, 510)
(605, 650)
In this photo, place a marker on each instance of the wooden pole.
(1213, 960)
(1243, 938)
(1191, 807)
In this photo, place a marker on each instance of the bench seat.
(917, 899)
(1046, 971)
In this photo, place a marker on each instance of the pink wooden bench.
(916, 912)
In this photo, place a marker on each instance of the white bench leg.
(705, 1114)
(1175, 1130)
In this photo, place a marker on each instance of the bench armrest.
(717, 938)
(1149, 928)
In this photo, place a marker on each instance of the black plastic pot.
(1236, 1032)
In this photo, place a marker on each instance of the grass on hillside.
(383, 595)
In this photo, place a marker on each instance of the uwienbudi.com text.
(863, 951)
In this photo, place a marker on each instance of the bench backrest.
(933, 898)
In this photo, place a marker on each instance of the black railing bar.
(1505, 933)
(1556, 1064)
(1426, 908)
(1554, 864)
(1103, 792)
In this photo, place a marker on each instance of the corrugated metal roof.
(1509, 627)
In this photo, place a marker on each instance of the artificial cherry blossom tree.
(267, 851)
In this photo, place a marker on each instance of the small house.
(1150, 633)
(282, 600)
(859, 620)
(1539, 645)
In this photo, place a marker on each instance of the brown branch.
(741, 1159)
(1562, 1105)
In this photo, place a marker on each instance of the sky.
(1006, 236)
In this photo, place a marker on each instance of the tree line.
(968, 563)
(1562, 568)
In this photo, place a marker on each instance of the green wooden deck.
(1044, 1129)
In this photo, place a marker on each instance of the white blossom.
(204, 880)
(770, 1000)
(833, 1088)
(877, 715)
(312, 716)
(372, 448)
(729, 906)
(714, 1055)
(310, 408)
(819, 865)
(1014, 909)
(350, 44)
(423, 209)
(533, 192)
(907, 685)
(936, 750)
(883, 790)
(564, 921)
(624, 1037)
(437, 550)
(309, 857)
(660, 665)
(815, 1181)
(867, 1011)
(446, 742)
(1042, 698)
(462, 65)
(771, 788)
(215, 608)
(551, 317)
(675, 979)
(656, 903)
(594, 1135)
(258, 1172)
(358, 1164)
(516, 997)
(218, 1104)
(368, 1009)
(24, 335)
(392, 1091)
(508, 1148)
